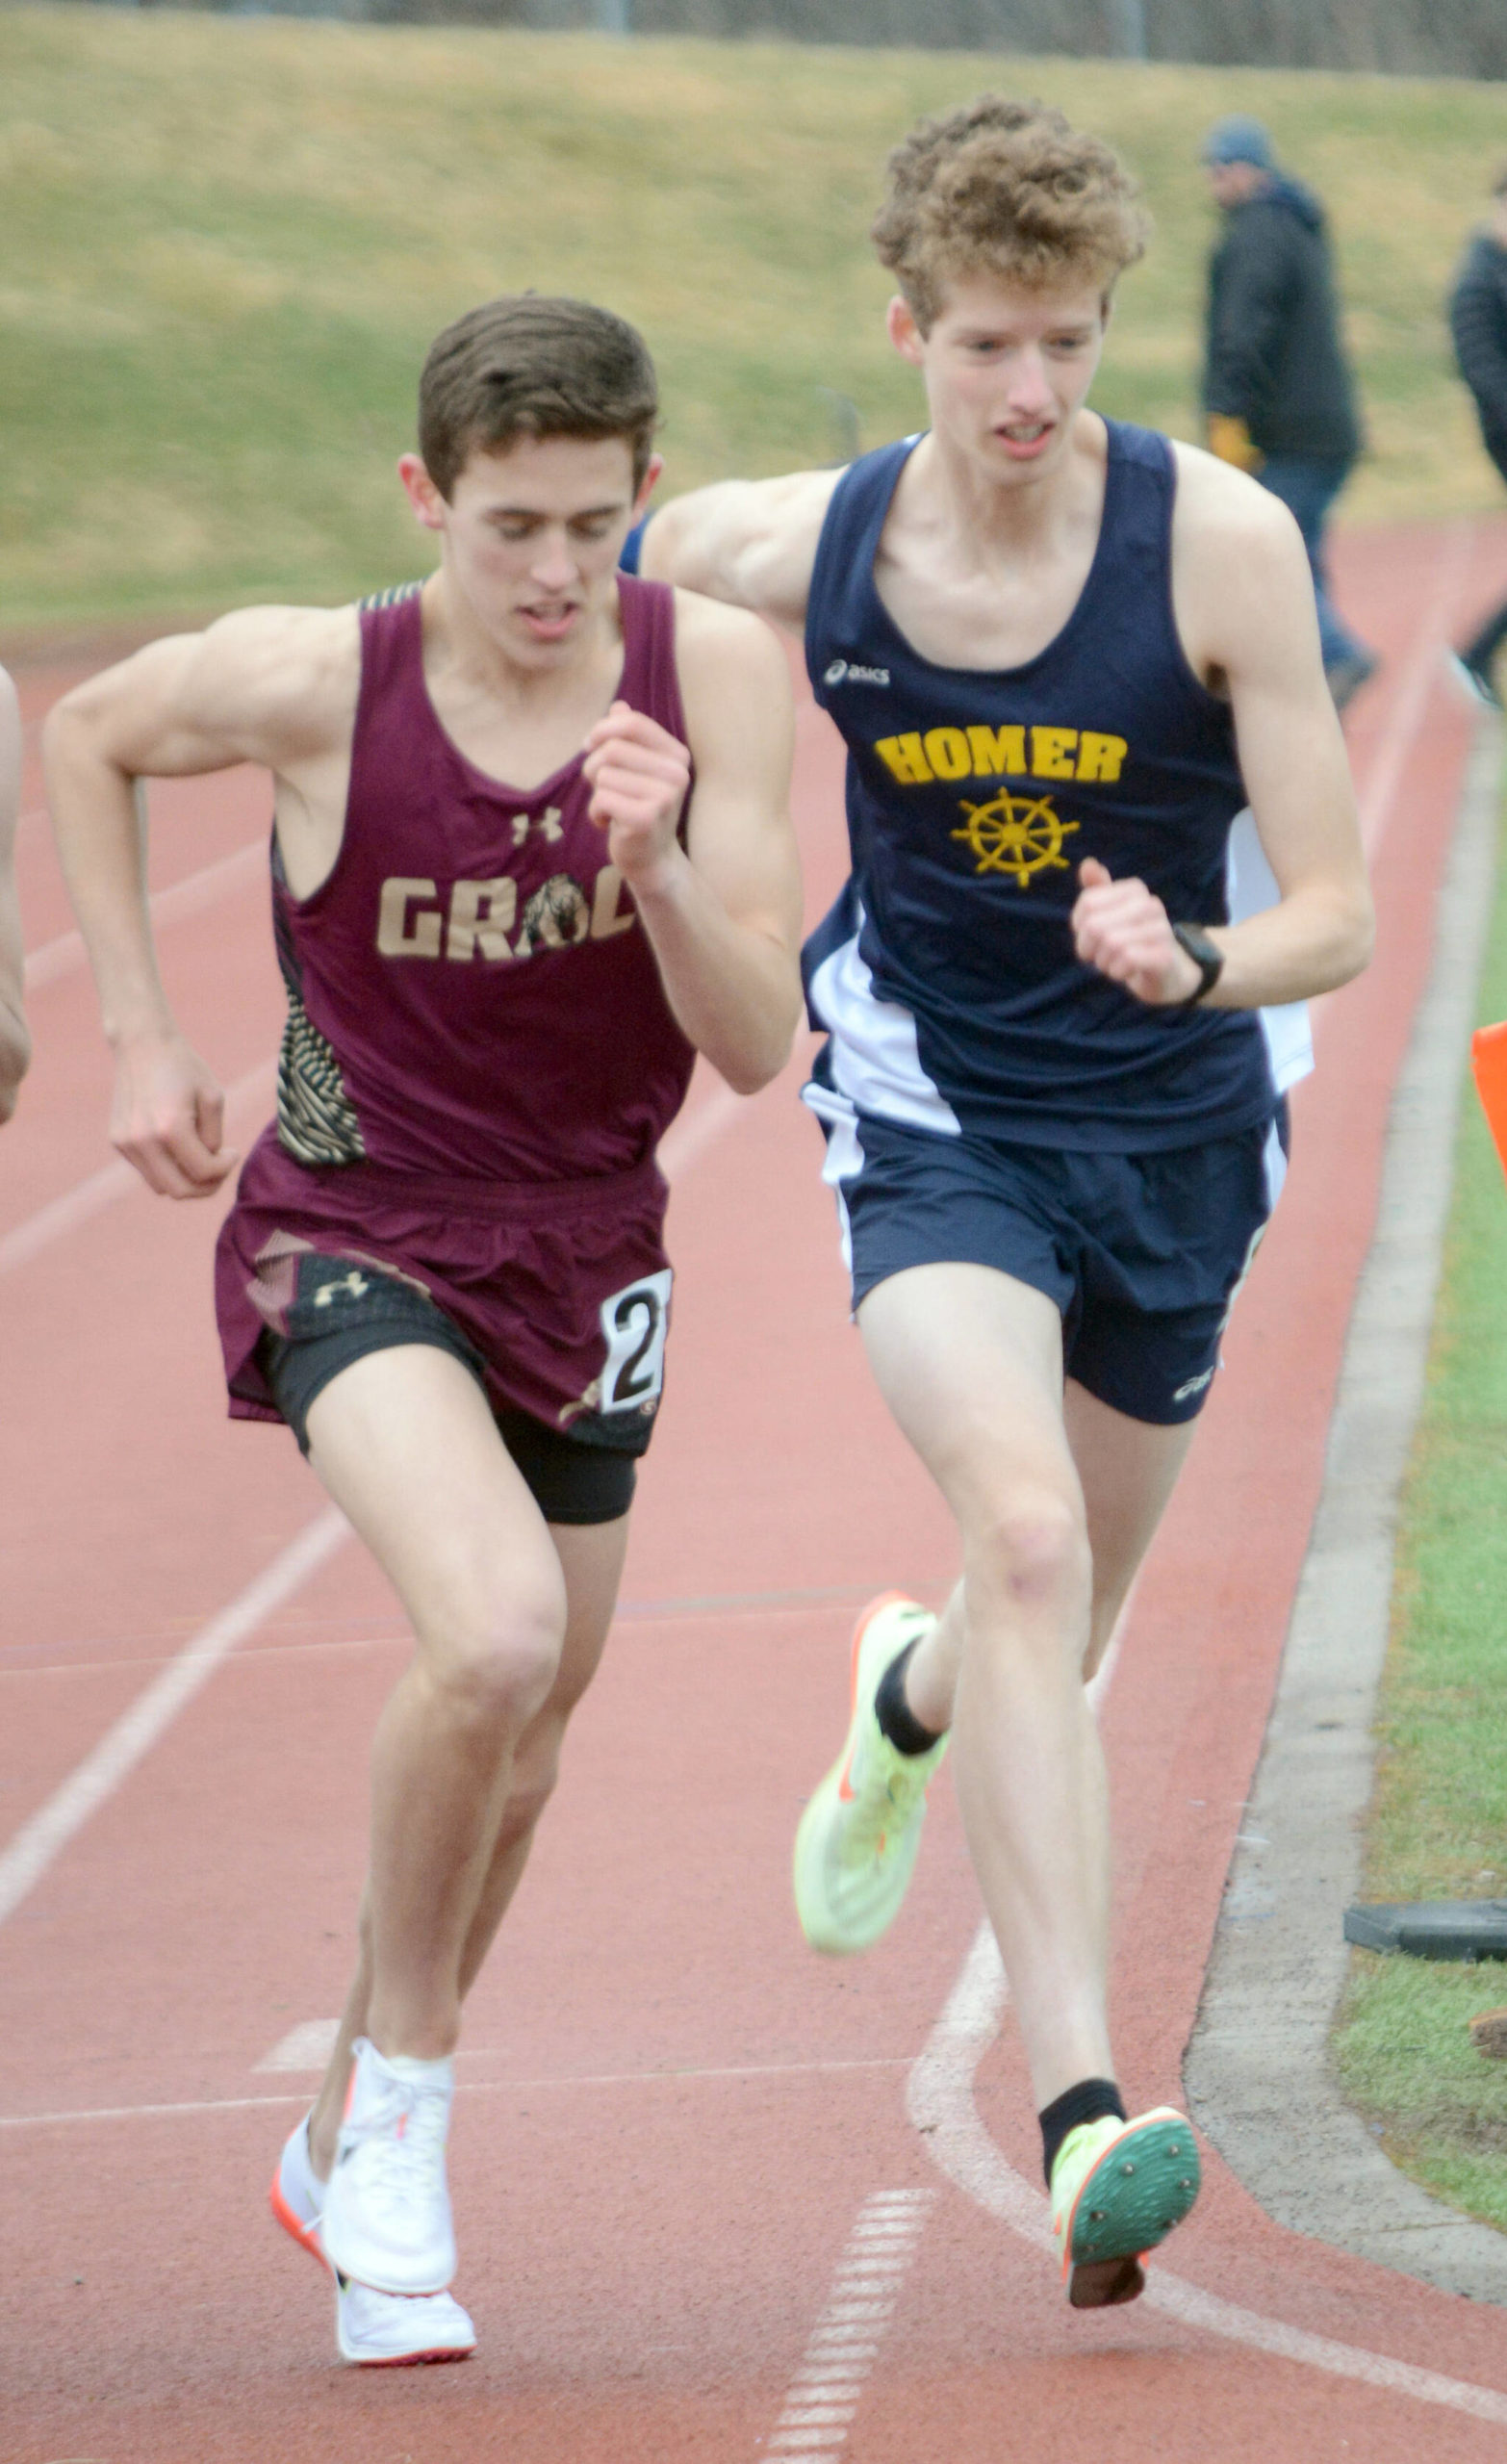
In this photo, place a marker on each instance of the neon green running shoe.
(858, 1836)
(1117, 2190)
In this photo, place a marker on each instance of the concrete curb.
(1258, 2073)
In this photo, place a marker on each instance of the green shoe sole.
(1141, 2188)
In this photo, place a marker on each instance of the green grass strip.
(229, 239)
(1438, 1824)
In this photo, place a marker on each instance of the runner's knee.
(496, 1651)
(1032, 1547)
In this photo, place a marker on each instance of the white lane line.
(52, 960)
(37, 1843)
(89, 1198)
(199, 2107)
(824, 2394)
(940, 2103)
(306, 2047)
(1423, 673)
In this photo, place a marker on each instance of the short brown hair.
(532, 366)
(1008, 188)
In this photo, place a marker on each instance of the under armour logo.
(355, 1283)
(547, 825)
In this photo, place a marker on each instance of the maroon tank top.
(470, 992)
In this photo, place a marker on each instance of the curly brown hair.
(1009, 188)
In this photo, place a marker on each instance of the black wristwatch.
(1207, 956)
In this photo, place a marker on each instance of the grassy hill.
(227, 242)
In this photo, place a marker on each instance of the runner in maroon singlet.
(506, 926)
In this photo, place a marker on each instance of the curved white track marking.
(53, 960)
(37, 1843)
(1422, 672)
(940, 2103)
(87, 1198)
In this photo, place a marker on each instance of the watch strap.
(1206, 955)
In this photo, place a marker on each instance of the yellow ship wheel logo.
(1018, 835)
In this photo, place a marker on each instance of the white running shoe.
(387, 2207)
(397, 2331)
(375, 2330)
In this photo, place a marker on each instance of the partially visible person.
(1278, 397)
(1478, 322)
(15, 1044)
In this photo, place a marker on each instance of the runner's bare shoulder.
(276, 685)
(752, 542)
(282, 680)
(723, 652)
(1239, 564)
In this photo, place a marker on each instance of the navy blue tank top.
(945, 974)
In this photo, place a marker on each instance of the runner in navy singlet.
(1066, 655)
(531, 854)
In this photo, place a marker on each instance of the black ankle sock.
(1089, 2102)
(893, 1712)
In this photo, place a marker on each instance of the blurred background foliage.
(229, 240)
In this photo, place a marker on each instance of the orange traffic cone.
(1488, 1062)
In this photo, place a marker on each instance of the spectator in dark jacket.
(1478, 321)
(1278, 395)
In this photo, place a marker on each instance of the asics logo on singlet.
(1192, 1386)
(481, 920)
(841, 672)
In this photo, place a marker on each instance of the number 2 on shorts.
(634, 1322)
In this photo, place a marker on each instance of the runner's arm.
(722, 912)
(752, 542)
(1245, 610)
(258, 686)
(16, 1046)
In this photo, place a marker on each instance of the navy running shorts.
(1143, 1254)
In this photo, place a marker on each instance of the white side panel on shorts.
(844, 1158)
(875, 1059)
(1250, 888)
(1275, 1162)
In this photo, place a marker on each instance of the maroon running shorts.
(562, 1289)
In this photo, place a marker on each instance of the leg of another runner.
(591, 1559)
(1128, 1470)
(969, 1361)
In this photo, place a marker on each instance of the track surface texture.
(717, 2198)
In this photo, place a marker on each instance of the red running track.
(695, 2218)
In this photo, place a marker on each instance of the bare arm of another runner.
(1245, 603)
(752, 542)
(15, 1044)
(722, 912)
(274, 685)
